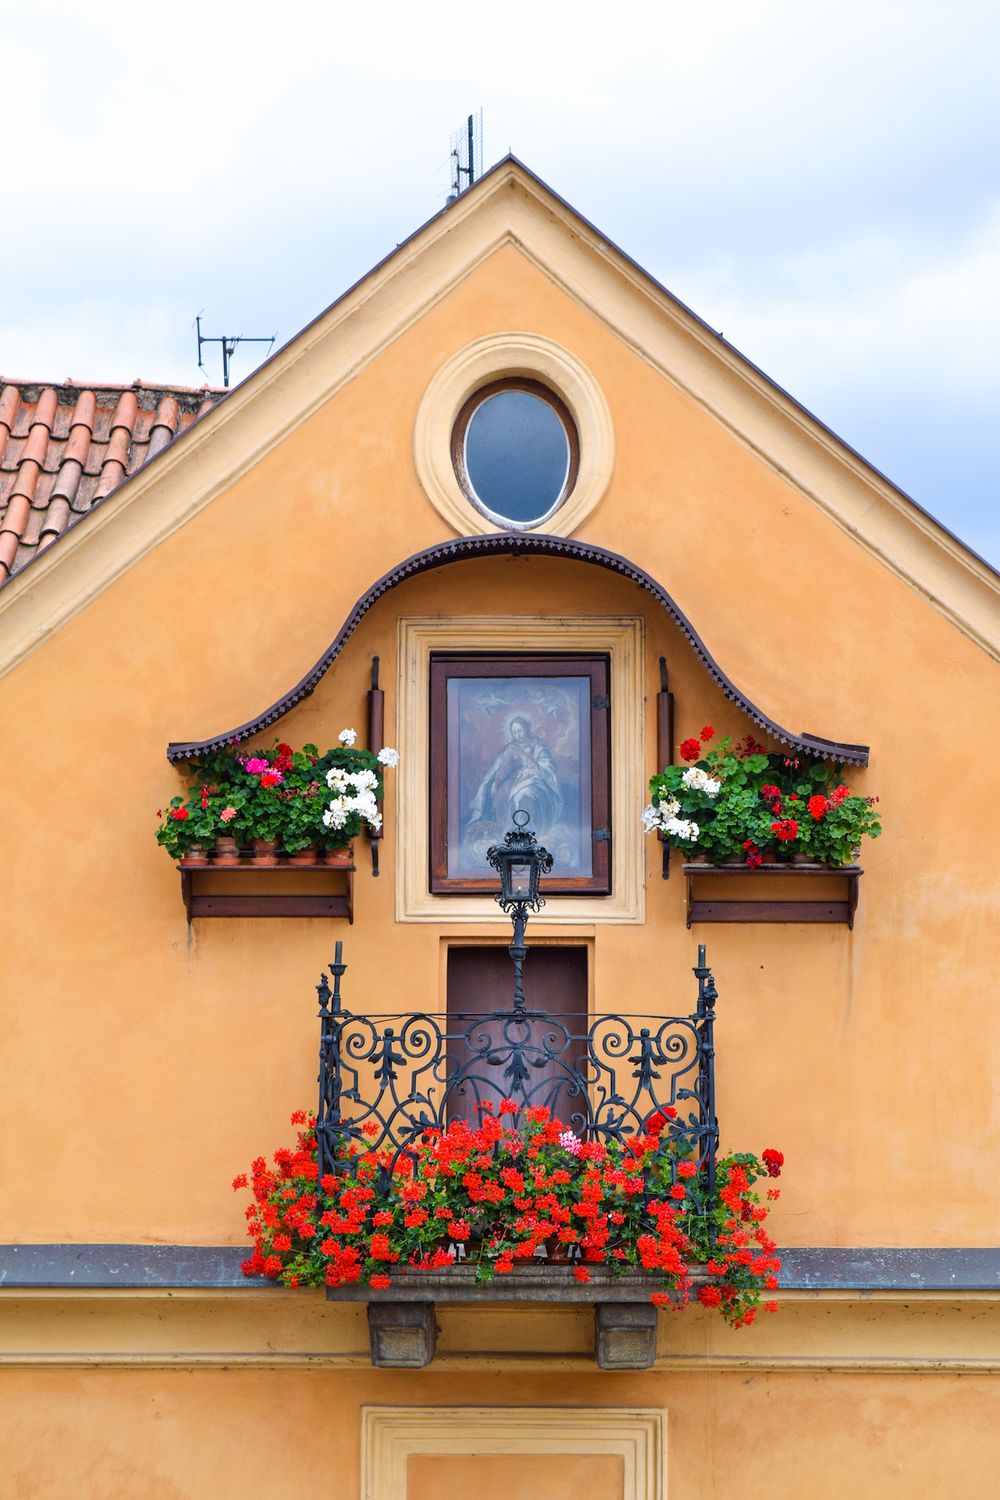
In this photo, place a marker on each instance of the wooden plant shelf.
(266, 903)
(706, 909)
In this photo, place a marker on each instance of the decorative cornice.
(519, 544)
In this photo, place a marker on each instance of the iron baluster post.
(707, 996)
(328, 1113)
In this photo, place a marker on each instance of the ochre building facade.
(792, 593)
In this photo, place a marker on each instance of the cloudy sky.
(820, 182)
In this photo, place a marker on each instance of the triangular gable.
(509, 205)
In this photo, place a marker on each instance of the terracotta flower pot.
(339, 858)
(560, 1254)
(195, 856)
(307, 856)
(226, 850)
(265, 852)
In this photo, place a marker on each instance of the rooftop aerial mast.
(228, 342)
(466, 155)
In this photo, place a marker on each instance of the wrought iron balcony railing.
(386, 1079)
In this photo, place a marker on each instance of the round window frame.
(500, 357)
(460, 431)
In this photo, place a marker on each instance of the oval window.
(515, 450)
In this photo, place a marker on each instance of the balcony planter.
(265, 852)
(366, 1201)
(339, 859)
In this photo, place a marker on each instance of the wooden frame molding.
(620, 638)
(504, 356)
(390, 1435)
(593, 809)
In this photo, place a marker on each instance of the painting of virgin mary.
(514, 734)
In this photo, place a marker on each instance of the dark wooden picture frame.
(525, 729)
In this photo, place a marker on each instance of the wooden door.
(480, 982)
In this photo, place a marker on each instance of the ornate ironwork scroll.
(386, 1079)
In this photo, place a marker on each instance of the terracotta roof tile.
(65, 447)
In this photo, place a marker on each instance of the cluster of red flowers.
(785, 829)
(754, 856)
(518, 1186)
(691, 749)
(749, 746)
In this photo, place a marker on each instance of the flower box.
(765, 904)
(771, 812)
(264, 890)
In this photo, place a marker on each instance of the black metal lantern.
(520, 863)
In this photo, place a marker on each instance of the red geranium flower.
(707, 733)
(785, 830)
(818, 807)
(709, 1296)
(773, 1161)
(690, 749)
(178, 814)
(379, 1282)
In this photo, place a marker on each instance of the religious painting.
(514, 733)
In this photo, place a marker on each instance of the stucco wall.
(149, 1063)
(183, 1435)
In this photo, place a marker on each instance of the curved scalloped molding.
(515, 543)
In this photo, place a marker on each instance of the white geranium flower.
(336, 814)
(700, 781)
(388, 757)
(347, 737)
(679, 829)
(650, 818)
(669, 808)
(337, 779)
(362, 780)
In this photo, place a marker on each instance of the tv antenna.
(228, 342)
(466, 155)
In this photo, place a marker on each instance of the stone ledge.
(105, 1266)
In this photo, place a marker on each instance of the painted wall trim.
(215, 1267)
(391, 1435)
